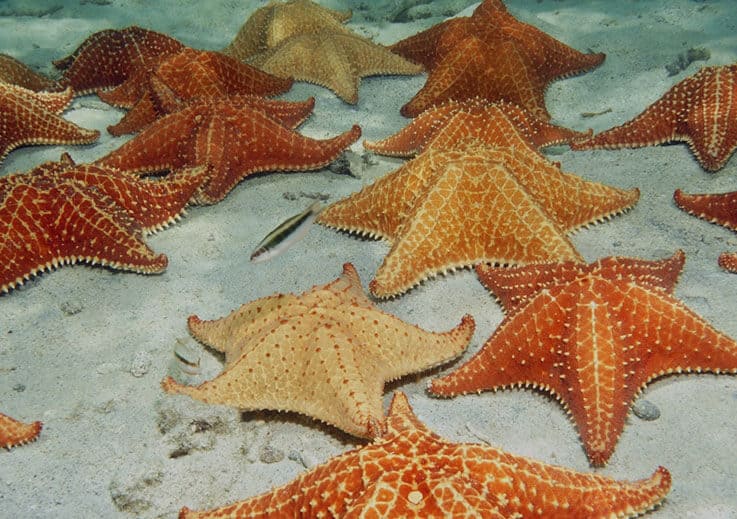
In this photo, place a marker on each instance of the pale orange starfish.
(412, 473)
(700, 110)
(14, 433)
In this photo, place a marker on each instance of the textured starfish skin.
(334, 60)
(325, 353)
(28, 118)
(112, 57)
(42, 227)
(451, 209)
(490, 55)
(411, 472)
(270, 25)
(152, 203)
(593, 336)
(229, 136)
(700, 110)
(14, 433)
(718, 208)
(191, 74)
(17, 73)
(456, 123)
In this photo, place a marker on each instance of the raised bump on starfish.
(413, 473)
(593, 336)
(700, 110)
(325, 353)
(14, 433)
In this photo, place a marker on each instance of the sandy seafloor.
(84, 349)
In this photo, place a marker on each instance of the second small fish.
(286, 234)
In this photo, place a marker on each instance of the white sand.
(71, 340)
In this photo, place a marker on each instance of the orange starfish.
(594, 336)
(325, 353)
(457, 123)
(115, 58)
(451, 209)
(718, 208)
(701, 110)
(28, 117)
(87, 226)
(17, 73)
(490, 55)
(14, 433)
(413, 473)
(270, 25)
(231, 137)
(193, 74)
(152, 203)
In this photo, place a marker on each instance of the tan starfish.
(326, 353)
(270, 25)
(413, 473)
(334, 60)
(452, 209)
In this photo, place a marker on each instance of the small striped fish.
(286, 234)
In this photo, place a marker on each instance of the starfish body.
(18, 73)
(229, 136)
(476, 121)
(411, 472)
(452, 209)
(44, 226)
(325, 353)
(14, 433)
(334, 60)
(270, 25)
(594, 336)
(700, 110)
(115, 57)
(718, 208)
(28, 118)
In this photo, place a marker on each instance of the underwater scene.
(342, 258)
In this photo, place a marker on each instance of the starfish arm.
(495, 226)
(14, 433)
(718, 208)
(422, 47)
(18, 73)
(662, 273)
(127, 93)
(54, 102)
(248, 40)
(143, 113)
(728, 261)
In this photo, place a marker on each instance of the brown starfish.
(18, 73)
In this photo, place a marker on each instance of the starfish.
(718, 208)
(28, 117)
(231, 137)
(87, 226)
(412, 472)
(592, 335)
(456, 123)
(490, 55)
(115, 58)
(451, 209)
(194, 74)
(334, 60)
(270, 25)
(700, 110)
(325, 353)
(17, 73)
(152, 203)
(14, 433)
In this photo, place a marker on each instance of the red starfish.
(44, 226)
(719, 208)
(411, 472)
(491, 55)
(476, 120)
(190, 74)
(594, 336)
(28, 117)
(17, 73)
(14, 433)
(701, 110)
(115, 57)
(231, 137)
